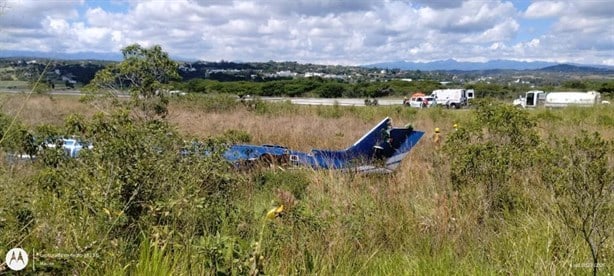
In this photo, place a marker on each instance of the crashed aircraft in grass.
(372, 153)
(380, 150)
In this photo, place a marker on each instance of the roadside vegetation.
(493, 198)
(511, 191)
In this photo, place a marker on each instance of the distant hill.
(569, 68)
(449, 65)
(70, 56)
(453, 65)
(62, 56)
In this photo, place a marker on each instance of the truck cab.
(531, 98)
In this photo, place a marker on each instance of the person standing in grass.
(437, 137)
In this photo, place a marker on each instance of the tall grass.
(411, 222)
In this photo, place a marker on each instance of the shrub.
(490, 152)
(134, 184)
(580, 175)
(15, 137)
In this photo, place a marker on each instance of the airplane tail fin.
(371, 146)
(364, 147)
(362, 150)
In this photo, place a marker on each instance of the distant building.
(68, 79)
(285, 74)
(313, 74)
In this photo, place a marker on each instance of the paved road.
(301, 101)
(339, 101)
(54, 92)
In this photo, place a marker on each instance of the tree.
(36, 82)
(274, 88)
(580, 176)
(331, 90)
(607, 88)
(574, 84)
(145, 73)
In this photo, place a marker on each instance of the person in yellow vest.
(436, 136)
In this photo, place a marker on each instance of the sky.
(343, 32)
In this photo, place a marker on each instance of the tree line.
(247, 79)
(330, 88)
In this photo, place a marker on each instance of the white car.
(418, 102)
(70, 146)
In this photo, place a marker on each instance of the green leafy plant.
(145, 72)
(580, 175)
(490, 152)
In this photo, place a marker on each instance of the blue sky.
(319, 31)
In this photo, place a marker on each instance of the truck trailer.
(536, 98)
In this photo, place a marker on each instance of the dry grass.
(395, 224)
(42, 109)
(298, 131)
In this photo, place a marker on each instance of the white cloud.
(500, 32)
(609, 62)
(593, 8)
(440, 4)
(534, 43)
(497, 46)
(272, 26)
(424, 48)
(331, 31)
(28, 14)
(545, 9)
(472, 16)
(57, 26)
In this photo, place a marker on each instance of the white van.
(455, 98)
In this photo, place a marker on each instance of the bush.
(134, 184)
(490, 152)
(580, 176)
(15, 137)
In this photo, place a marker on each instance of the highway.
(299, 101)
(338, 101)
(55, 92)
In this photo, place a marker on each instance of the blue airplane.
(372, 153)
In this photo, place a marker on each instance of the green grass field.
(132, 210)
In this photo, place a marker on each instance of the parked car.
(417, 100)
(71, 146)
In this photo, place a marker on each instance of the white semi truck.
(455, 98)
(535, 98)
